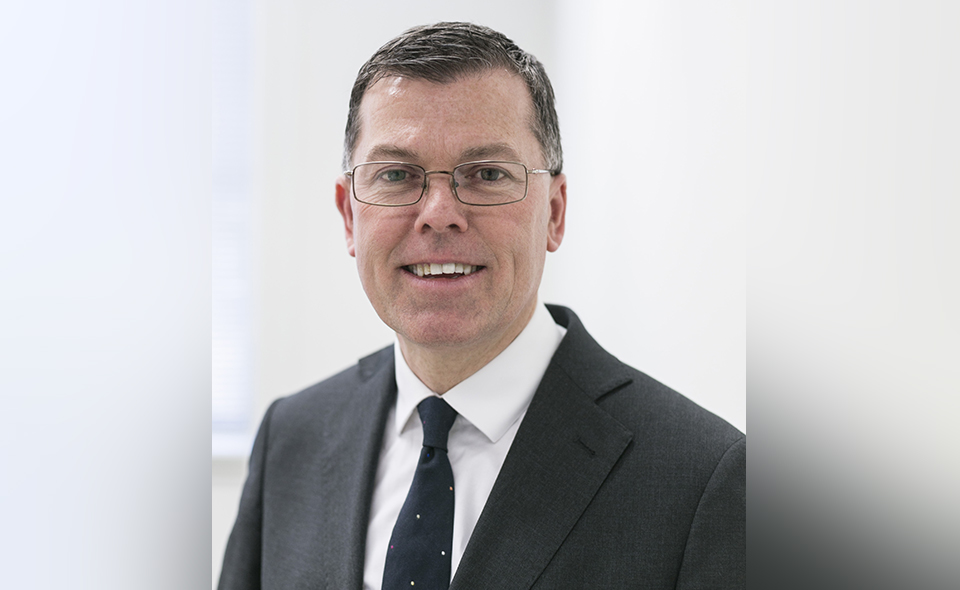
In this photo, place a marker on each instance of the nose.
(439, 208)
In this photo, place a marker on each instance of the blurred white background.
(105, 294)
(813, 144)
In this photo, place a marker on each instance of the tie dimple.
(437, 417)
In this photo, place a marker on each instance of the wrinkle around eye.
(410, 173)
(476, 173)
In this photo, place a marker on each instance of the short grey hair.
(444, 52)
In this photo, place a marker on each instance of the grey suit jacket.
(613, 481)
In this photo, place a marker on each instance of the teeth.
(447, 268)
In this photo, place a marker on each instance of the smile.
(448, 268)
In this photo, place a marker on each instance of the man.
(496, 444)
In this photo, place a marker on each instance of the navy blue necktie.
(419, 554)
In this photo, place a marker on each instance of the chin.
(437, 330)
(444, 338)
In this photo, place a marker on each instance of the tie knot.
(437, 417)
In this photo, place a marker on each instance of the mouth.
(445, 270)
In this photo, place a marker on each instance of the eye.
(394, 175)
(490, 174)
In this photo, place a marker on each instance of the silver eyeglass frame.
(453, 185)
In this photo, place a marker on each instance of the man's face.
(438, 126)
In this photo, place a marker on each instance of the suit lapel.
(344, 472)
(563, 452)
(377, 394)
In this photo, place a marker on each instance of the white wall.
(653, 114)
(104, 295)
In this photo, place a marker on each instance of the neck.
(442, 367)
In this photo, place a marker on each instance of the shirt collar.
(497, 395)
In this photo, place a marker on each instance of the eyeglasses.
(484, 184)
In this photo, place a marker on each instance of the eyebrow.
(391, 152)
(493, 151)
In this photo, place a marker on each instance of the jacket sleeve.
(241, 561)
(715, 556)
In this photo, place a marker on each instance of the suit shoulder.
(335, 393)
(654, 407)
(672, 435)
(642, 404)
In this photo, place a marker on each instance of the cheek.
(364, 245)
(532, 234)
(365, 231)
(376, 236)
(531, 248)
(526, 248)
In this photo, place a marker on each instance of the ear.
(558, 211)
(345, 206)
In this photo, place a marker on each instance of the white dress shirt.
(490, 405)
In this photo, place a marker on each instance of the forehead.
(483, 116)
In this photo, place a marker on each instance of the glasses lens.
(490, 183)
(388, 183)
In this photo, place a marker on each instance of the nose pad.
(453, 184)
(443, 212)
